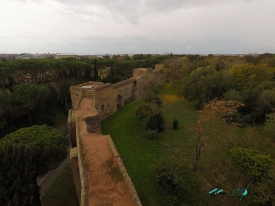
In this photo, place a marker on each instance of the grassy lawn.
(214, 167)
(62, 192)
(140, 153)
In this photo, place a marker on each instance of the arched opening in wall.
(102, 107)
(119, 101)
(134, 88)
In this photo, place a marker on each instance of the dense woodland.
(248, 79)
(33, 91)
(209, 125)
(240, 91)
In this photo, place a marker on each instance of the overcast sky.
(140, 26)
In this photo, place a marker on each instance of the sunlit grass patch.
(171, 97)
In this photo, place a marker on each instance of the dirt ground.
(105, 181)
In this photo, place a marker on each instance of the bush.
(156, 122)
(253, 162)
(270, 124)
(262, 192)
(176, 180)
(175, 124)
(151, 134)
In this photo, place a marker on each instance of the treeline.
(46, 71)
(34, 90)
(30, 104)
(249, 79)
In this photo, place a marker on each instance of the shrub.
(156, 122)
(262, 192)
(253, 162)
(151, 134)
(175, 124)
(270, 124)
(177, 180)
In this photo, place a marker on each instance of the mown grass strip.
(62, 192)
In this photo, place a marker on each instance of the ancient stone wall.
(83, 180)
(76, 161)
(124, 172)
(86, 89)
(106, 99)
(71, 128)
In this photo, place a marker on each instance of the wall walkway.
(99, 174)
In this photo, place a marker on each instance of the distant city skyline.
(143, 26)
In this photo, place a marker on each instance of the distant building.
(24, 56)
(62, 56)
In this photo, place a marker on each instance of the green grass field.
(62, 192)
(214, 167)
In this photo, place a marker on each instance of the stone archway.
(134, 88)
(119, 101)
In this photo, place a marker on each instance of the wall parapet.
(71, 127)
(103, 86)
(79, 100)
(122, 83)
(83, 181)
(124, 172)
(87, 84)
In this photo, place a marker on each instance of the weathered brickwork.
(102, 100)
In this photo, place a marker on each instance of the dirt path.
(46, 181)
(105, 181)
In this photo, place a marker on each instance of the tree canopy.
(248, 79)
(199, 85)
(253, 162)
(24, 155)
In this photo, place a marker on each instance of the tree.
(232, 94)
(259, 101)
(199, 85)
(150, 112)
(270, 124)
(156, 122)
(263, 192)
(253, 163)
(28, 96)
(154, 119)
(4, 102)
(143, 112)
(177, 180)
(151, 92)
(24, 155)
(214, 109)
(247, 76)
(220, 65)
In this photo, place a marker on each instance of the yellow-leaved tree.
(213, 110)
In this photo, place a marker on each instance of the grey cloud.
(236, 29)
(133, 11)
